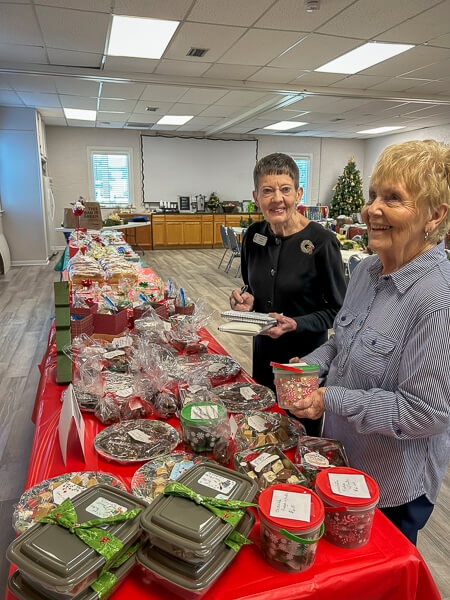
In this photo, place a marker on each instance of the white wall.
(20, 186)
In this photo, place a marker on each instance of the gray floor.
(26, 300)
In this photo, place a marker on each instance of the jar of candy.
(313, 454)
(350, 497)
(204, 425)
(294, 382)
(291, 526)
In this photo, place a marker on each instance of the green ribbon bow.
(227, 510)
(107, 580)
(100, 540)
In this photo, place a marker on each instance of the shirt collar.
(412, 271)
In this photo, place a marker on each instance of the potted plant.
(213, 202)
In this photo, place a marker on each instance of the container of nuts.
(294, 382)
(268, 466)
(291, 526)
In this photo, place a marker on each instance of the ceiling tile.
(52, 112)
(360, 82)
(417, 57)
(113, 117)
(216, 38)
(181, 68)
(4, 83)
(147, 118)
(131, 91)
(319, 79)
(396, 84)
(258, 47)
(237, 129)
(55, 121)
(231, 12)
(76, 123)
(314, 51)
(162, 107)
(156, 9)
(443, 41)
(110, 124)
(166, 93)
(225, 71)
(219, 111)
(97, 6)
(203, 95)
(186, 109)
(433, 87)
(126, 64)
(16, 53)
(365, 19)
(9, 98)
(18, 25)
(291, 15)
(77, 87)
(117, 105)
(32, 83)
(430, 24)
(74, 59)
(438, 70)
(78, 102)
(275, 75)
(40, 100)
(198, 123)
(73, 29)
(240, 98)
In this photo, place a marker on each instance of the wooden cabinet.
(207, 231)
(218, 221)
(140, 235)
(174, 232)
(159, 231)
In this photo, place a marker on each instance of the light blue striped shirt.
(387, 373)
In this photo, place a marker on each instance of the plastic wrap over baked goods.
(152, 328)
(220, 368)
(122, 400)
(257, 428)
(313, 454)
(37, 501)
(136, 441)
(241, 397)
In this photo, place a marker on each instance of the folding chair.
(353, 261)
(235, 248)
(225, 242)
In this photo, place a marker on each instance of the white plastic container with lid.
(294, 382)
(290, 544)
(350, 500)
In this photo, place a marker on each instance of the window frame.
(306, 200)
(109, 150)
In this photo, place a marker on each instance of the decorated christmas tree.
(348, 194)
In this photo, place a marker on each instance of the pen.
(244, 288)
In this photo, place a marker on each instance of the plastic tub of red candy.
(294, 382)
(350, 497)
(291, 526)
(313, 454)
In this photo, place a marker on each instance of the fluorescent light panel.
(140, 38)
(285, 125)
(363, 57)
(80, 114)
(174, 120)
(382, 129)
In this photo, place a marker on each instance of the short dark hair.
(276, 164)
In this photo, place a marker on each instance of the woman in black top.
(293, 270)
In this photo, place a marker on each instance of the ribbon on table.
(227, 510)
(100, 540)
(107, 580)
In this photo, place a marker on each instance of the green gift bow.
(227, 510)
(107, 580)
(100, 540)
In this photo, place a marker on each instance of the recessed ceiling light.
(363, 57)
(80, 114)
(140, 38)
(382, 129)
(285, 125)
(174, 120)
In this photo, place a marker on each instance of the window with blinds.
(304, 165)
(111, 177)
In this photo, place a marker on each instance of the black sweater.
(289, 275)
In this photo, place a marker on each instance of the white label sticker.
(102, 508)
(66, 490)
(204, 412)
(217, 482)
(354, 486)
(233, 427)
(214, 367)
(114, 353)
(263, 460)
(257, 423)
(260, 239)
(247, 392)
(166, 326)
(140, 436)
(122, 342)
(124, 392)
(316, 460)
(291, 505)
(195, 388)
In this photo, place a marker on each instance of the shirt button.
(344, 318)
(398, 431)
(386, 277)
(277, 241)
(272, 272)
(269, 303)
(374, 342)
(361, 322)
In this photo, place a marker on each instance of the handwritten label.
(257, 423)
(217, 482)
(233, 427)
(114, 353)
(263, 460)
(103, 508)
(316, 460)
(204, 412)
(214, 367)
(353, 486)
(140, 436)
(247, 392)
(291, 505)
(122, 342)
(124, 392)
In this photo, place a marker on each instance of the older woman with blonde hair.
(385, 371)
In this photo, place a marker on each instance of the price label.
(291, 505)
(248, 393)
(204, 412)
(114, 353)
(257, 423)
(140, 436)
(354, 486)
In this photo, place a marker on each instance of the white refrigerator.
(49, 214)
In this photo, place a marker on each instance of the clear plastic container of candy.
(314, 454)
(350, 497)
(256, 428)
(290, 544)
(204, 425)
(294, 382)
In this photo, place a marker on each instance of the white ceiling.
(259, 67)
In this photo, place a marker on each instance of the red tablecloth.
(389, 567)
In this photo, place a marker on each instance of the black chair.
(225, 242)
(235, 248)
(353, 261)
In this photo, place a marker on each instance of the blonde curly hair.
(423, 167)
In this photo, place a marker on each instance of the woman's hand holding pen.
(242, 300)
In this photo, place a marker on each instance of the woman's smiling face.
(277, 198)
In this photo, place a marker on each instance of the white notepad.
(248, 317)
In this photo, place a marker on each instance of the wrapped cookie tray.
(242, 397)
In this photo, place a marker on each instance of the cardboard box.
(90, 219)
(111, 324)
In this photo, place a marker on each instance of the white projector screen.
(175, 167)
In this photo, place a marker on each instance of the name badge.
(260, 239)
